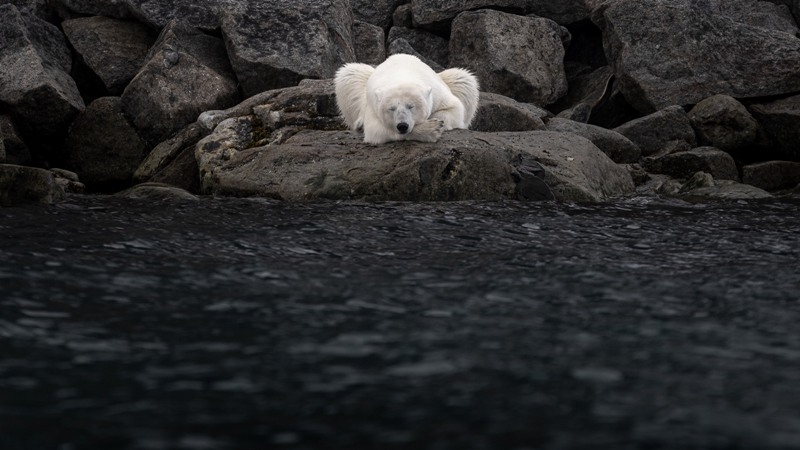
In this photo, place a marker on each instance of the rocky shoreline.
(583, 100)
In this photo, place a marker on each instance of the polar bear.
(404, 99)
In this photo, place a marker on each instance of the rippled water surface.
(251, 324)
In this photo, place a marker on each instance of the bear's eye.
(393, 109)
(410, 106)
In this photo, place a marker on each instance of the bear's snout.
(402, 127)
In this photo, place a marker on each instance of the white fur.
(404, 93)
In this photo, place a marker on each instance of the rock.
(672, 52)
(157, 14)
(311, 104)
(589, 89)
(431, 47)
(716, 162)
(375, 12)
(39, 8)
(519, 57)
(68, 180)
(780, 121)
(155, 192)
(437, 13)
(272, 46)
(35, 86)
(581, 112)
(616, 146)
(182, 172)
(402, 46)
(763, 14)
(368, 43)
(16, 151)
(721, 121)
(697, 181)
(186, 73)
(2, 148)
(726, 190)
(103, 146)
(461, 165)
(403, 16)
(655, 132)
(165, 153)
(499, 113)
(114, 50)
(20, 185)
(772, 175)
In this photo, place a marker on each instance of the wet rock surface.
(245, 324)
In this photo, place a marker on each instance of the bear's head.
(404, 106)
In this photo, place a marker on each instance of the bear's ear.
(378, 94)
(429, 94)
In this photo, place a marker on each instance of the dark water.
(244, 324)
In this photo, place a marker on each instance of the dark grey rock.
(186, 73)
(155, 192)
(590, 88)
(436, 13)
(272, 46)
(369, 43)
(672, 52)
(113, 49)
(780, 121)
(21, 185)
(402, 46)
(2, 147)
(429, 45)
(714, 161)
(16, 151)
(723, 190)
(68, 180)
(721, 121)
(581, 112)
(462, 165)
(35, 86)
(282, 112)
(772, 175)
(764, 14)
(195, 13)
(103, 146)
(165, 153)
(500, 113)
(520, 57)
(658, 131)
(619, 148)
(375, 12)
(40, 8)
(402, 16)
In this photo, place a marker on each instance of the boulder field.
(582, 100)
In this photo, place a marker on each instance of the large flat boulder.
(272, 46)
(674, 52)
(463, 165)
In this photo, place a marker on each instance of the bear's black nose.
(402, 127)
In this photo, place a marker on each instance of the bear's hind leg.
(350, 83)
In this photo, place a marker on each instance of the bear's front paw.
(429, 131)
